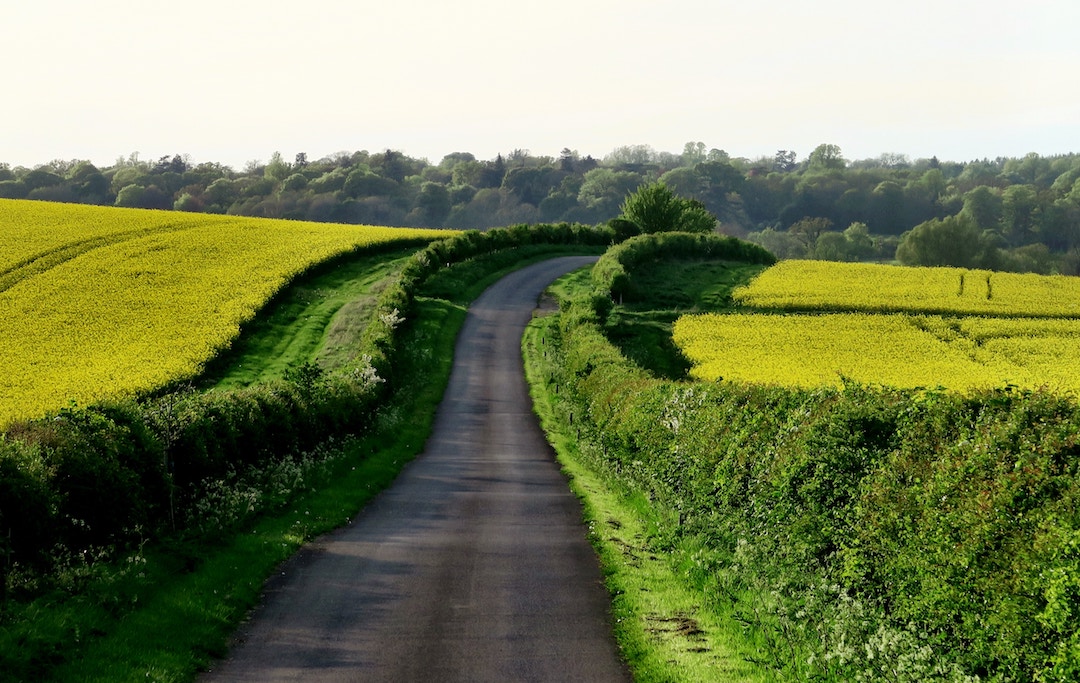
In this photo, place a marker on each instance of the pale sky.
(233, 81)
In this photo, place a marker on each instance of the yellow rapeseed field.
(876, 288)
(100, 302)
(895, 326)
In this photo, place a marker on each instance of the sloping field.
(98, 302)
(902, 327)
(878, 288)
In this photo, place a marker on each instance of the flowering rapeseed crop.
(885, 325)
(878, 288)
(100, 302)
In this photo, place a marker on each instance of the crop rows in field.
(935, 341)
(877, 288)
(100, 302)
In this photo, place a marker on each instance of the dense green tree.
(685, 181)
(984, 206)
(55, 193)
(467, 172)
(530, 185)
(826, 157)
(568, 159)
(832, 246)
(1019, 209)
(887, 208)
(461, 194)
(220, 195)
(130, 196)
(13, 189)
(784, 161)
(860, 243)
(765, 194)
(278, 169)
(364, 183)
(188, 202)
(433, 204)
(780, 243)
(136, 196)
(330, 181)
(1059, 225)
(1023, 201)
(41, 177)
(816, 195)
(491, 207)
(492, 174)
(950, 241)
(635, 156)
(294, 183)
(554, 207)
(694, 153)
(88, 183)
(454, 158)
(655, 208)
(603, 189)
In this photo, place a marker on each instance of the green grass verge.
(659, 623)
(315, 319)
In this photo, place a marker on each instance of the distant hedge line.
(865, 534)
(613, 272)
(109, 476)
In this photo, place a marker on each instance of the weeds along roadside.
(854, 534)
(192, 471)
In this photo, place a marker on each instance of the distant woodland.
(1020, 214)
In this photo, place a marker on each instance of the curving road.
(473, 566)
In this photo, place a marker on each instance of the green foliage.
(82, 490)
(105, 477)
(1022, 202)
(614, 271)
(953, 241)
(655, 208)
(861, 534)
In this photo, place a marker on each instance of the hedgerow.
(612, 273)
(863, 533)
(101, 479)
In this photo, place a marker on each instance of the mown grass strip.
(315, 320)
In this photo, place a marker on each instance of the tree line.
(1005, 214)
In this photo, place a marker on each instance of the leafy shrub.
(655, 208)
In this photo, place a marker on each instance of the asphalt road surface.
(473, 566)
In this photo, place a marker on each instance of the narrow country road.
(472, 566)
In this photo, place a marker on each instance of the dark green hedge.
(870, 534)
